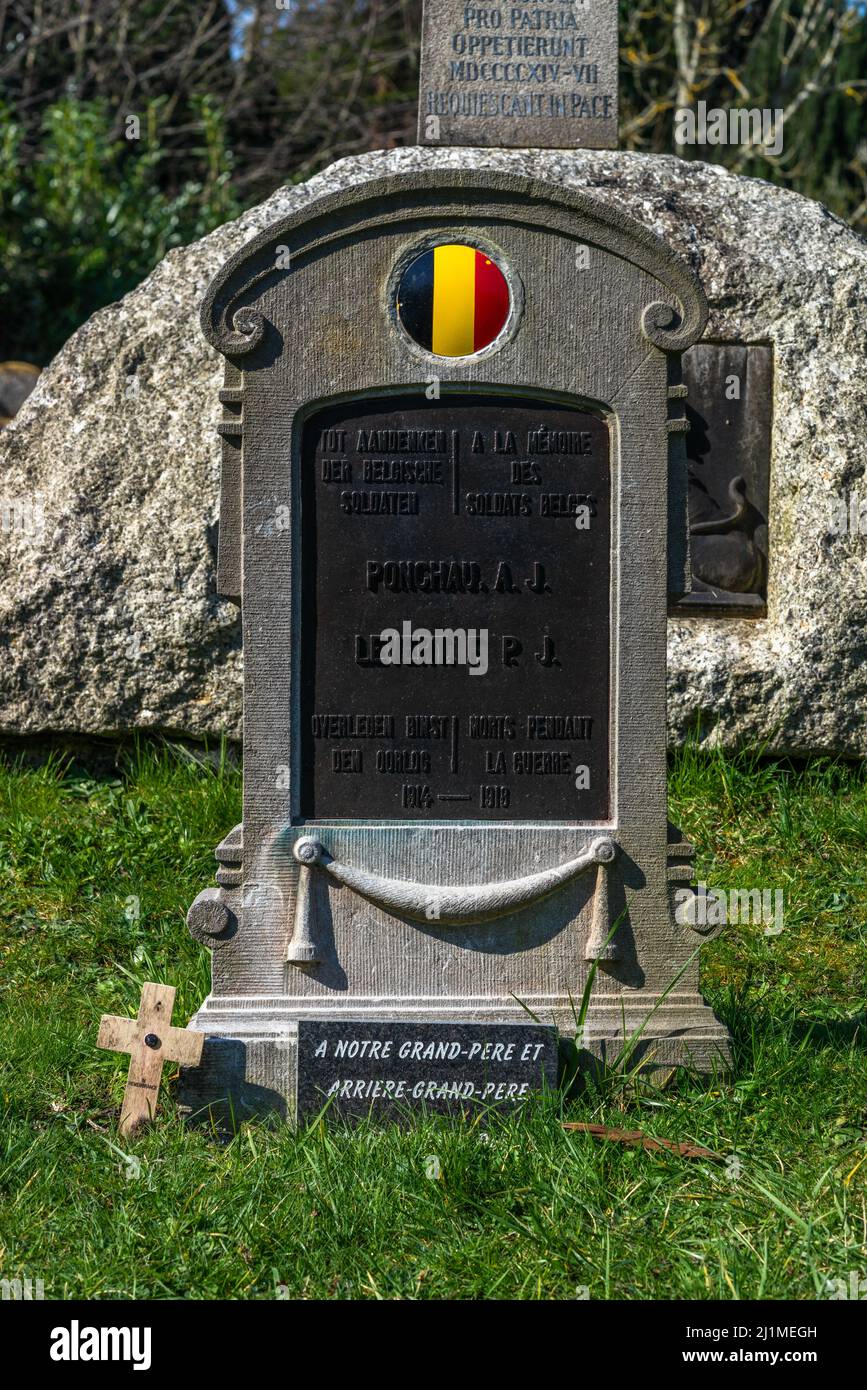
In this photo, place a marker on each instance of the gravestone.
(454, 503)
(519, 76)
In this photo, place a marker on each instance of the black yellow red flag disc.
(453, 300)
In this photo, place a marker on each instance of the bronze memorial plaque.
(455, 611)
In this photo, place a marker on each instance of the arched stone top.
(234, 325)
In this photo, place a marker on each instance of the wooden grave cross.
(150, 1040)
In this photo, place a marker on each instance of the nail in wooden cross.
(150, 1040)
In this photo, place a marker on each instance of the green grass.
(521, 1209)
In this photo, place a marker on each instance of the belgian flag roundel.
(453, 300)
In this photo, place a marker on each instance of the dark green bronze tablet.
(455, 611)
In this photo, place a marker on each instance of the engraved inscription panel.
(519, 76)
(455, 611)
(364, 1065)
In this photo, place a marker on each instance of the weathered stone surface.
(109, 614)
(480, 88)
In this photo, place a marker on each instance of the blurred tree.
(84, 223)
(333, 77)
(127, 54)
(806, 58)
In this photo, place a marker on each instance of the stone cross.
(150, 1040)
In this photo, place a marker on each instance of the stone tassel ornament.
(598, 947)
(301, 949)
